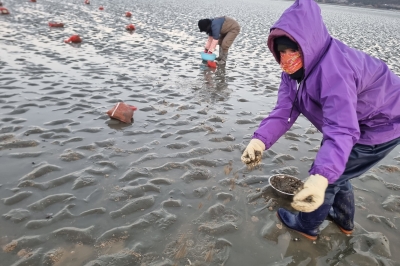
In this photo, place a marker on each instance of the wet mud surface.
(169, 189)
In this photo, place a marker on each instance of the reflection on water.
(214, 88)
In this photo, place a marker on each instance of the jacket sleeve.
(340, 127)
(213, 45)
(276, 124)
(208, 43)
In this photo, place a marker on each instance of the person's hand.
(205, 50)
(209, 52)
(253, 151)
(311, 196)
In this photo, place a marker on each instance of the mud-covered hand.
(311, 196)
(249, 154)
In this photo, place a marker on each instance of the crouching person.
(221, 31)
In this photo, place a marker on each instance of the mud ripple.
(134, 206)
(17, 197)
(49, 200)
(41, 170)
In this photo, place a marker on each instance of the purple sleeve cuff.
(264, 140)
(328, 174)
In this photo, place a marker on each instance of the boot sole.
(347, 232)
(313, 238)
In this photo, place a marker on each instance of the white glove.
(311, 196)
(254, 146)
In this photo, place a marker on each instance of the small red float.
(130, 27)
(56, 24)
(128, 14)
(4, 11)
(74, 39)
(101, 8)
(211, 64)
(87, 2)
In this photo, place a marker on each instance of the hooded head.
(290, 58)
(204, 25)
(302, 23)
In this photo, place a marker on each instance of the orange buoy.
(4, 11)
(74, 39)
(128, 14)
(211, 64)
(101, 8)
(130, 27)
(87, 2)
(56, 24)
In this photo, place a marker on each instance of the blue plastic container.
(208, 57)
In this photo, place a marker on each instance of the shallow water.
(80, 189)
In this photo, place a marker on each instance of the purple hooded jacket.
(348, 95)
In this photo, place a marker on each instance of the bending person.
(221, 31)
(349, 96)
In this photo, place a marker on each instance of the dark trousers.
(361, 159)
(339, 197)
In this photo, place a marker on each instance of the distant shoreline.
(363, 6)
(390, 8)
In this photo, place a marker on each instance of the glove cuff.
(319, 180)
(258, 143)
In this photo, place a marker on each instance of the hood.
(302, 22)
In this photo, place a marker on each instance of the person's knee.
(346, 186)
(225, 49)
(226, 45)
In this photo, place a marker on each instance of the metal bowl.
(279, 192)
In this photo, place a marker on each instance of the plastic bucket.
(211, 64)
(208, 57)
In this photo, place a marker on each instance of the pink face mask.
(291, 62)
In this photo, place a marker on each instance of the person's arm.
(213, 44)
(340, 128)
(276, 124)
(216, 25)
(341, 131)
(208, 43)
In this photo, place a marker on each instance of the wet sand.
(80, 189)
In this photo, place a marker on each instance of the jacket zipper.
(295, 98)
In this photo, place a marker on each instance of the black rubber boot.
(342, 211)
